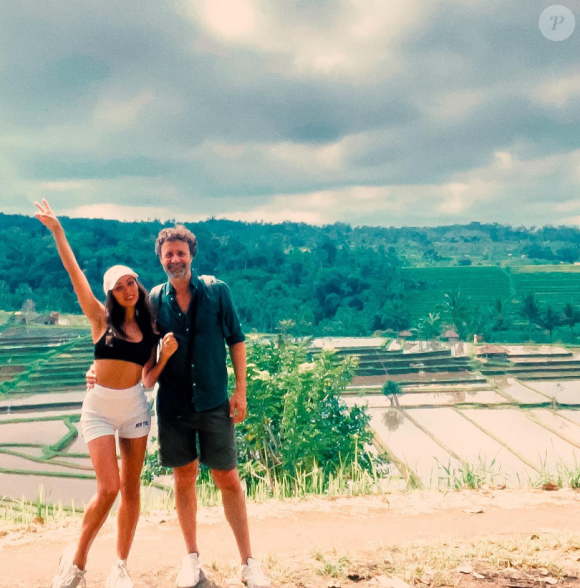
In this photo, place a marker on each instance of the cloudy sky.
(383, 112)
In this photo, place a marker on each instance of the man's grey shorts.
(215, 430)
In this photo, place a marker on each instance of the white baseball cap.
(113, 274)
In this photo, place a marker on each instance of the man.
(192, 399)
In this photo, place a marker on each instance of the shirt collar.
(193, 283)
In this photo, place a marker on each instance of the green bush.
(297, 422)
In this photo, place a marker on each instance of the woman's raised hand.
(46, 216)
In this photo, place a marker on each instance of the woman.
(125, 352)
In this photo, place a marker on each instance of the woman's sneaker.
(253, 576)
(119, 576)
(69, 575)
(190, 575)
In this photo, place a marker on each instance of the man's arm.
(238, 403)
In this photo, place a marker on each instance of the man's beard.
(176, 271)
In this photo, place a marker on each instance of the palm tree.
(500, 312)
(455, 307)
(550, 319)
(430, 326)
(531, 311)
(571, 316)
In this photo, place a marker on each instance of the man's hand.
(91, 377)
(238, 405)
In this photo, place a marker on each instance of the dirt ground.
(512, 538)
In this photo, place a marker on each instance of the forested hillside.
(328, 280)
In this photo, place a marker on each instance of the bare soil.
(511, 538)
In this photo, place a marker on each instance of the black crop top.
(124, 350)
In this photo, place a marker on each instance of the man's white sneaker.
(190, 575)
(253, 576)
(69, 575)
(119, 576)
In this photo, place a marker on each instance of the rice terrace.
(505, 413)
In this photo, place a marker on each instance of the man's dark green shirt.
(196, 374)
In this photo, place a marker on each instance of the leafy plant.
(297, 425)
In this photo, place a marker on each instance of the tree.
(531, 311)
(455, 307)
(28, 310)
(391, 388)
(500, 313)
(571, 316)
(550, 319)
(431, 326)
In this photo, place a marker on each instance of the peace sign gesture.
(46, 216)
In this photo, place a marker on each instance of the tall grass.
(350, 480)
(23, 512)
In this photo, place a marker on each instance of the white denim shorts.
(106, 410)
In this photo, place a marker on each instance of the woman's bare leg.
(132, 456)
(104, 457)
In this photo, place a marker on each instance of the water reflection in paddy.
(12, 462)
(42, 432)
(523, 394)
(451, 398)
(470, 443)
(409, 444)
(530, 440)
(427, 399)
(65, 490)
(571, 415)
(558, 422)
(565, 392)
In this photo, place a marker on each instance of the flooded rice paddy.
(514, 431)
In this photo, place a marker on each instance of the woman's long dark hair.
(115, 316)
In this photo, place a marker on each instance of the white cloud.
(114, 211)
(121, 113)
(352, 38)
(232, 19)
(559, 90)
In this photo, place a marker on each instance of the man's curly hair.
(177, 233)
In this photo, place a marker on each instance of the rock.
(465, 569)
(391, 582)
(478, 576)
(550, 487)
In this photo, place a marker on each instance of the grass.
(469, 476)
(524, 560)
(346, 482)
(435, 563)
(15, 512)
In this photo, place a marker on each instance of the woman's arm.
(152, 368)
(91, 307)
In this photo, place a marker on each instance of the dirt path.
(295, 539)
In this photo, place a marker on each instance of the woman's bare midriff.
(117, 374)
